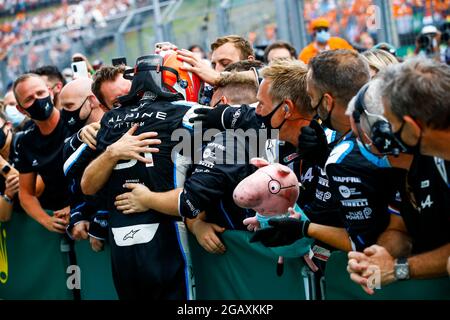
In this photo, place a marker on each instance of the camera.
(425, 42)
(119, 61)
(445, 36)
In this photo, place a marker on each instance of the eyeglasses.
(274, 185)
(374, 116)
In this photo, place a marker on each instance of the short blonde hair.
(288, 81)
(379, 59)
(238, 88)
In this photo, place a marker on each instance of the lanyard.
(440, 165)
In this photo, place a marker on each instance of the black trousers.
(155, 270)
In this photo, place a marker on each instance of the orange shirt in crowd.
(311, 50)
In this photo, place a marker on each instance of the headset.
(380, 132)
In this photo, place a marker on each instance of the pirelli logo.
(355, 203)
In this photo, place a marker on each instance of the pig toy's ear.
(259, 162)
(283, 171)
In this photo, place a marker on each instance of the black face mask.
(267, 119)
(414, 150)
(72, 118)
(3, 136)
(41, 109)
(325, 122)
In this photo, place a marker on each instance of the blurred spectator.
(270, 34)
(279, 50)
(13, 115)
(97, 64)
(427, 43)
(322, 41)
(74, 16)
(198, 51)
(365, 41)
(67, 74)
(9, 178)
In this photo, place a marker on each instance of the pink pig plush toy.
(271, 191)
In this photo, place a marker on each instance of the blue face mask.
(323, 36)
(13, 115)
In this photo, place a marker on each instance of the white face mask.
(13, 115)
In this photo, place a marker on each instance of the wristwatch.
(8, 199)
(401, 269)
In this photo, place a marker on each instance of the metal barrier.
(133, 33)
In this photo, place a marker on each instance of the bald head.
(75, 90)
(77, 94)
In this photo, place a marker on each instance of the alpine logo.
(130, 235)
(427, 203)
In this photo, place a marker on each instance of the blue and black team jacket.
(77, 156)
(363, 185)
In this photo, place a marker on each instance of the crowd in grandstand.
(91, 155)
(71, 16)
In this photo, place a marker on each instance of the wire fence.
(133, 33)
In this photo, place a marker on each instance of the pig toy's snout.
(246, 199)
